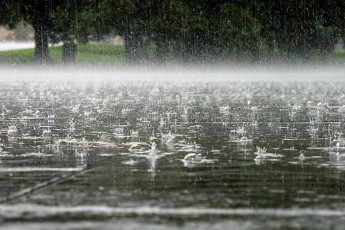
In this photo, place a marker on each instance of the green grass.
(338, 57)
(16, 56)
(86, 54)
(103, 54)
(100, 53)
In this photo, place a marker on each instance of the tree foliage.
(38, 14)
(187, 30)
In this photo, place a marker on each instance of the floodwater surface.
(152, 153)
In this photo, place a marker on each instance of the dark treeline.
(196, 31)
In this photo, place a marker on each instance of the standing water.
(119, 149)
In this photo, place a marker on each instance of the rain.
(172, 114)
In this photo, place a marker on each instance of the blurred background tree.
(36, 13)
(197, 31)
(74, 22)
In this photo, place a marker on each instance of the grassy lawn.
(100, 53)
(104, 54)
(338, 57)
(86, 54)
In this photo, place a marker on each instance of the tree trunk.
(131, 49)
(162, 51)
(69, 51)
(186, 49)
(41, 42)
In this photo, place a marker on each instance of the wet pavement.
(151, 154)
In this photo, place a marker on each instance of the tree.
(301, 28)
(8, 14)
(240, 31)
(35, 12)
(128, 18)
(168, 25)
(72, 23)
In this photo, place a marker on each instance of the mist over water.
(191, 73)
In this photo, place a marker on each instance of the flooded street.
(152, 151)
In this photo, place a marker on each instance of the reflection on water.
(185, 150)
